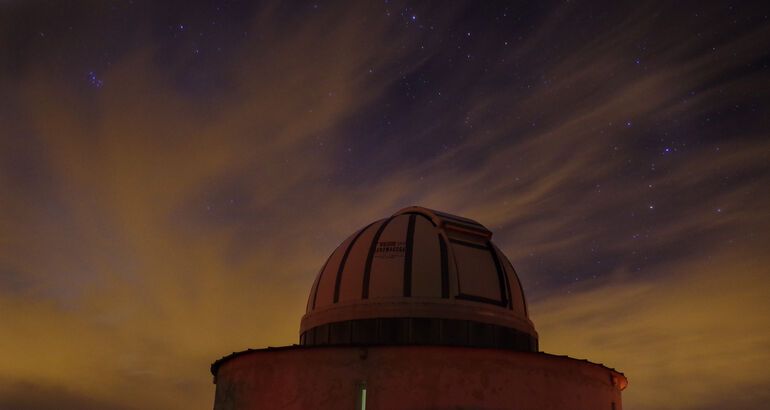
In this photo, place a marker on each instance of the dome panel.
(351, 279)
(325, 289)
(427, 279)
(386, 276)
(311, 299)
(478, 273)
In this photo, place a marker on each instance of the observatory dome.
(418, 277)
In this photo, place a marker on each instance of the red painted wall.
(413, 377)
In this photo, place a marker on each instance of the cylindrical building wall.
(412, 377)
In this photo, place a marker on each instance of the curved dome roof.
(418, 277)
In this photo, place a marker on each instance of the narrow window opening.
(361, 396)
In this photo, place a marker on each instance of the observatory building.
(419, 310)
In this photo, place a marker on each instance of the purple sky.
(173, 176)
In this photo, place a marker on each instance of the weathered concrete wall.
(413, 377)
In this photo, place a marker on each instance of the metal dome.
(418, 277)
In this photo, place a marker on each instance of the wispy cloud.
(689, 340)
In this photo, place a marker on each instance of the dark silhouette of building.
(416, 311)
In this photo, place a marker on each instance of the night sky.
(172, 177)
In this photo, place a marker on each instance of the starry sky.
(172, 177)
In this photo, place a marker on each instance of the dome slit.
(408, 256)
(500, 275)
(506, 275)
(508, 287)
